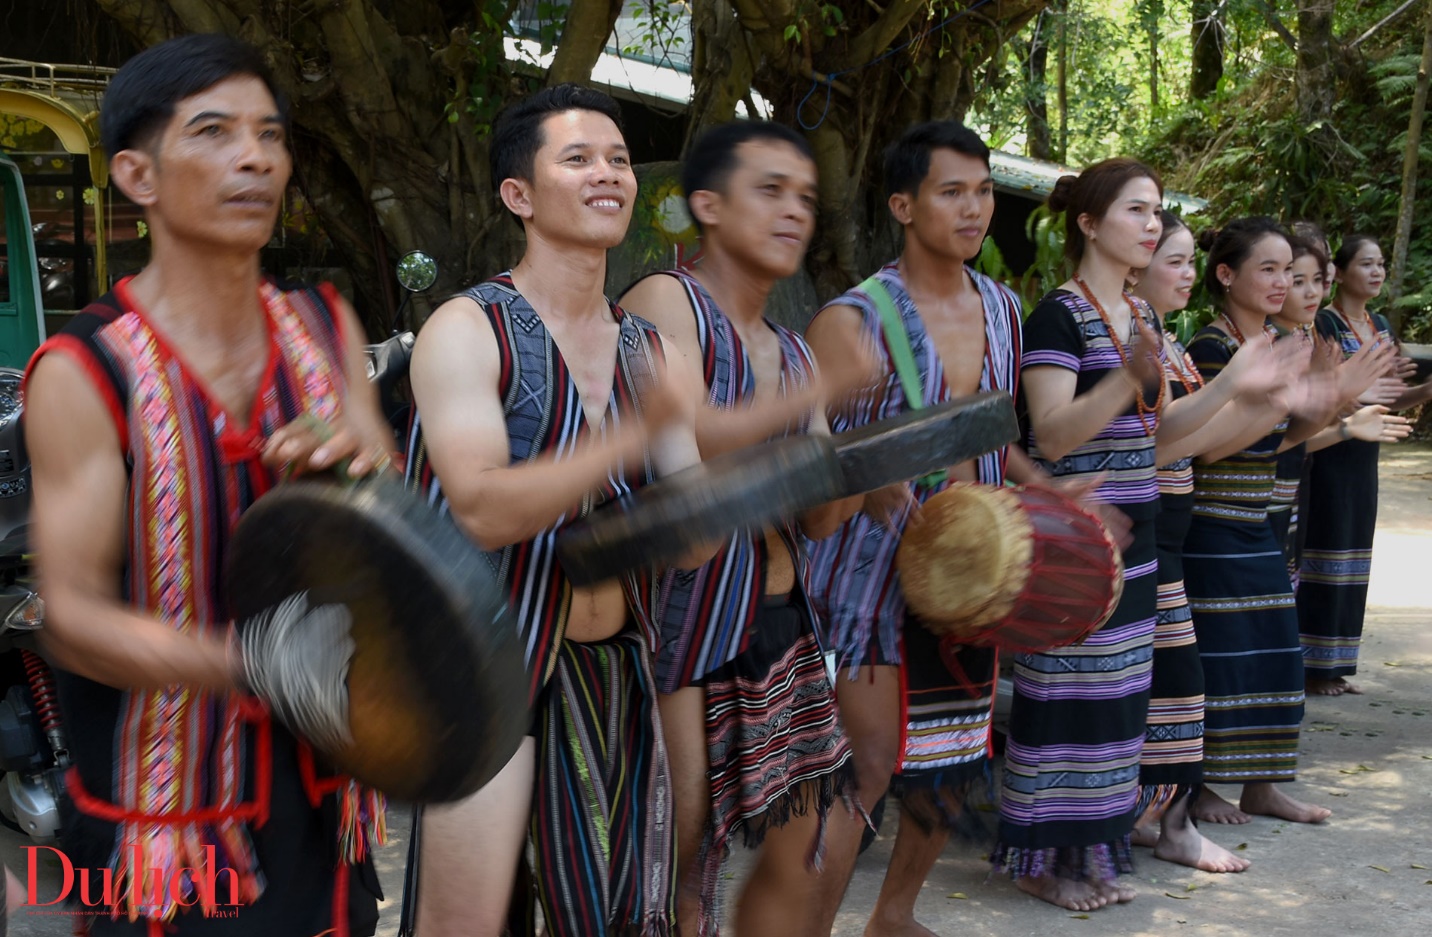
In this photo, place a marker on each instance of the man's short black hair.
(517, 133)
(713, 156)
(140, 99)
(907, 160)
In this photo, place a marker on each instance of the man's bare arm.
(78, 516)
(454, 378)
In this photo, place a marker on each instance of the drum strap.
(892, 324)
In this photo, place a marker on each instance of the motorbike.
(388, 360)
(34, 753)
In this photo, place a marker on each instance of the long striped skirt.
(1337, 557)
(1172, 761)
(602, 822)
(774, 743)
(1071, 774)
(1247, 626)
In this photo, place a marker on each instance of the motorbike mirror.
(417, 271)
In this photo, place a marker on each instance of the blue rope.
(829, 80)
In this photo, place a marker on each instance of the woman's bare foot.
(1352, 689)
(1314, 686)
(1063, 892)
(1185, 845)
(1211, 808)
(1116, 891)
(1145, 836)
(1268, 800)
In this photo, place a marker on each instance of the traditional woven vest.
(180, 753)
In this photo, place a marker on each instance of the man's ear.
(516, 194)
(901, 204)
(705, 207)
(132, 172)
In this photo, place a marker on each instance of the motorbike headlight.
(29, 615)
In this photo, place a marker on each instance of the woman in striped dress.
(1235, 574)
(1371, 423)
(1092, 388)
(1171, 766)
(1342, 493)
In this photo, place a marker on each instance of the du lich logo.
(185, 887)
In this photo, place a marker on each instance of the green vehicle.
(22, 319)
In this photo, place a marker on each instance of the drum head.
(964, 558)
(437, 687)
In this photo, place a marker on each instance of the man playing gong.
(537, 399)
(154, 420)
(748, 708)
(962, 331)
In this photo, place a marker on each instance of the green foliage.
(487, 78)
(660, 30)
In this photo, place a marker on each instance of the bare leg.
(1269, 800)
(1145, 836)
(1180, 841)
(914, 856)
(470, 852)
(781, 895)
(683, 724)
(1211, 808)
(870, 714)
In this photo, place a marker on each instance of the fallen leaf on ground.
(1391, 663)
(1193, 888)
(1241, 846)
(959, 894)
(1085, 917)
(1179, 897)
(1416, 866)
(1337, 793)
(1379, 868)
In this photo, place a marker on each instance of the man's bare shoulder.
(661, 300)
(835, 318)
(458, 327)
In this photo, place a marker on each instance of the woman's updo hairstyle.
(1230, 246)
(1091, 193)
(1171, 223)
(1349, 247)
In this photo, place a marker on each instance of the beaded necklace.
(1352, 326)
(1237, 333)
(1143, 408)
(1180, 367)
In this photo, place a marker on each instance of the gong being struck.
(374, 629)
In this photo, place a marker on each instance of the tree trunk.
(1153, 29)
(1208, 38)
(589, 24)
(1036, 93)
(1062, 67)
(1316, 86)
(721, 67)
(1409, 179)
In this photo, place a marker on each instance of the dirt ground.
(1368, 870)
